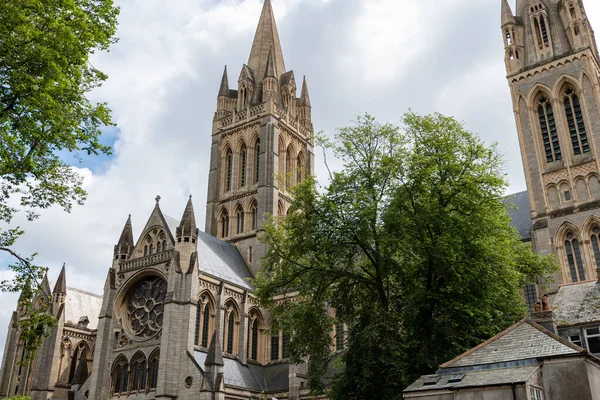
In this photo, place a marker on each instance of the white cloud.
(382, 56)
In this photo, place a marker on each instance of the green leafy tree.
(410, 245)
(45, 74)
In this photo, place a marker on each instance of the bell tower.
(262, 145)
(553, 72)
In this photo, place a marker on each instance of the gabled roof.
(79, 303)
(519, 211)
(577, 304)
(522, 341)
(158, 219)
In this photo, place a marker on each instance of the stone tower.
(262, 145)
(553, 72)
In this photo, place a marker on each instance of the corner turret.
(125, 245)
(513, 40)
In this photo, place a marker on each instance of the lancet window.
(548, 129)
(224, 224)
(139, 373)
(256, 160)
(243, 155)
(574, 259)
(153, 370)
(229, 162)
(203, 321)
(120, 376)
(575, 121)
(595, 240)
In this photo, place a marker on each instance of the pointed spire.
(265, 39)
(215, 354)
(270, 72)
(507, 15)
(45, 286)
(304, 97)
(224, 89)
(125, 244)
(187, 227)
(61, 283)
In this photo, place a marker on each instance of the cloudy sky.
(376, 56)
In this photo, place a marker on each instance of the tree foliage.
(45, 74)
(410, 245)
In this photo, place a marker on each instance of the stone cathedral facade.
(553, 70)
(177, 318)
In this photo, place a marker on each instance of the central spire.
(266, 40)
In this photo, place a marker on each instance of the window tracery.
(120, 376)
(240, 220)
(574, 259)
(547, 125)
(224, 224)
(145, 307)
(153, 369)
(575, 121)
(203, 321)
(139, 372)
(254, 213)
(230, 328)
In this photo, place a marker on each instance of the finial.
(190, 196)
(157, 198)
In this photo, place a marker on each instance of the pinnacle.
(61, 283)
(125, 244)
(266, 40)
(270, 72)
(507, 15)
(304, 97)
(45, 286)
(187, 227)
(224, 89)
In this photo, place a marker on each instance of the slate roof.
(519, 211)
(475, 378)
(79, 303)
(577, 304)
(218, 258)
(522, 341)
(257, 378)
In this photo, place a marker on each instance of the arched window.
(284, 344)
(151, 248)
(146, 250)
(575, 120)
(240, 220)
(164, 246)
(289, 159)
(153, 371)
(244, 155)
(573, 253)
(228, 161)
(257, 161)
(139, 371)
(299, 168)
(548, 130)
(158, 247)
(254, 211)
(205, 322)
(230, 332)
(120, 376)
(596, 244)
(275, 347)
(199, 307)
(543, 30)
(254, 351)
(225, 224)
(73, 366)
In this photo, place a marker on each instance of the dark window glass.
(593, 340)
(575, 339)
(257, 161)
(548, 129)
(544, 30)
(531, 296)
(275, 347)
(144, 369)
(153, 372)
(284, 344)
(240, 221)
(596, 245)
(225, 225)
(254, 217)
(205, 326)
(243, 165)
(229, 160)
(73, 365)
(125, 380)
(576, 123)
(574, 258)
(198, 321)
(118, 374)
(254, 354)
(230, 331)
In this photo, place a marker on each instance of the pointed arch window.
(543, 30)
(595, 239)
(575, 121)
(73, 366)
(153, 370)
(159, 247)
(121, 376)
(288, 168)
(254, 216)
(139, 373)
(548, 129)
(257, 161)
(574, 259)
(299, 168)
(275, 347)
(229, 162)
(254, 350)
(230, 332)
(146, 250)
(199, 307)
(203, 321)
(225, 224)
(240, 220)
(244, 155)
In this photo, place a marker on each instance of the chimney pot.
(538, 307)
(545, 303)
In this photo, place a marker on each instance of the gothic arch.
(139, 372)
(581, 188)
(255, 342)
(231, 326)
(535, 91)
(205, 318)
(153, 364)
(252, 213)
(553, 197)
(223, 223)
(240, 218)
(561, 82)
(572, 254)
(120, 375)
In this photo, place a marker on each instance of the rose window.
(145, 307)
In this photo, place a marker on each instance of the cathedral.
(178, 318)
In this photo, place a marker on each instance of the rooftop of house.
(519, 211)
(577, 304)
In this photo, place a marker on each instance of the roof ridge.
(481, 345)
(555, 336)
(84, 292)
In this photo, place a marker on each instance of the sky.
(383, 57)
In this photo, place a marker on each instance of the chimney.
(544, 316)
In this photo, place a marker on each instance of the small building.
(525, 362)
